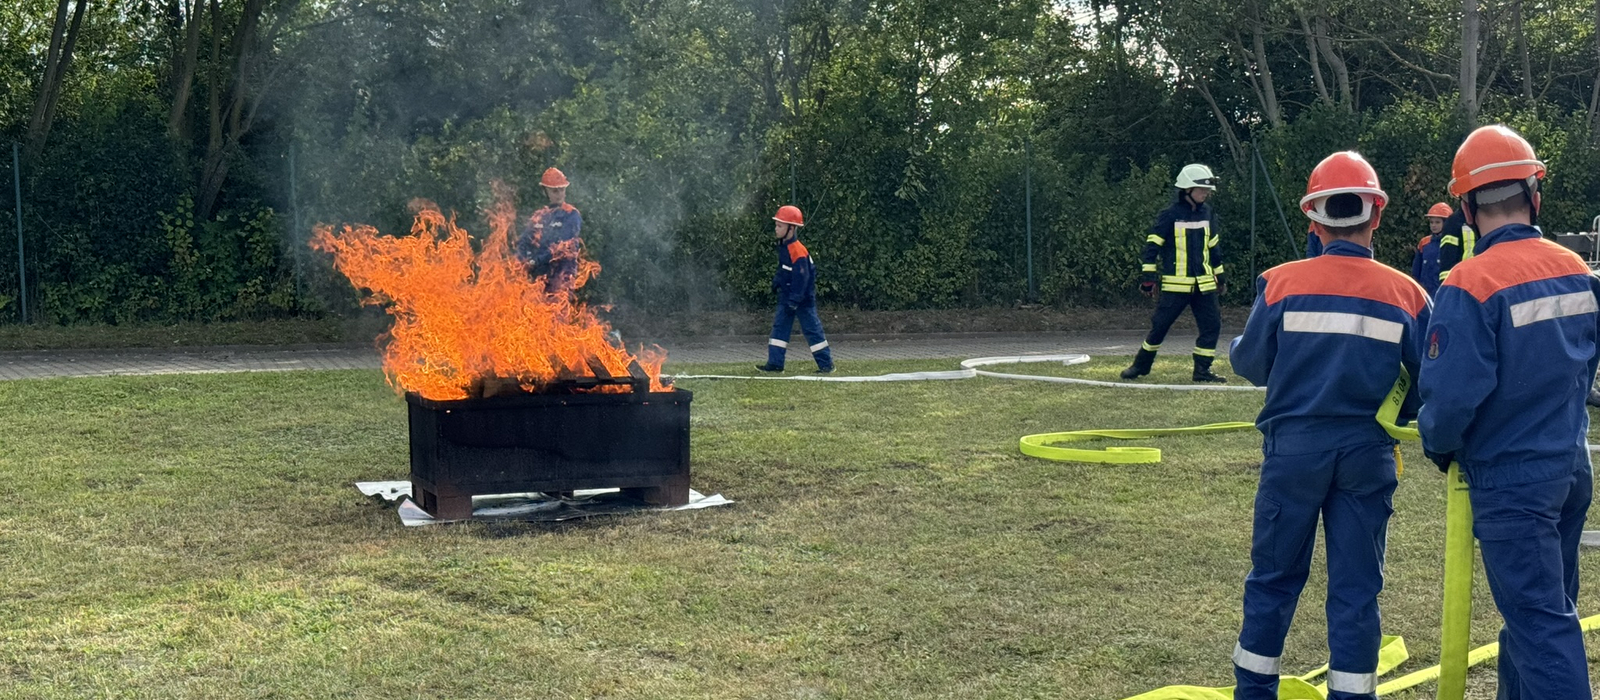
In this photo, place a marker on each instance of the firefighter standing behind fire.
(1186, 242)
(1328, 337)
(1508, 359)
(540, 245)
(796, 285)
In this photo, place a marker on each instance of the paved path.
(95, 363)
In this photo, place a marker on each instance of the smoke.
(413, 100)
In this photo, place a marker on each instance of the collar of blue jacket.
(1508, 232)
(1344, 247)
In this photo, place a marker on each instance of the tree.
(63, 38)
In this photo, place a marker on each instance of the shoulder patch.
(1437, 339)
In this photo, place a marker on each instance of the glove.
(1442, 460)
(1148, 289)
(1222, 286)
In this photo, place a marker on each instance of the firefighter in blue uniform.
(1508, 359)
(1458, 241)
(1186, 243)
(1425, 261)
(796, 285)
(1328, 337)
(544, 245)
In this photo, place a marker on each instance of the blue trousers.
(1529, 534)
(1352, 490)
(810, 325)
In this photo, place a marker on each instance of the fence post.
(1027, 198)
(1252, 280)
(22, 268)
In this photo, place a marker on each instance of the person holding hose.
(1328, 337)
(1186, 243)
(1509, 357)
(796, 285)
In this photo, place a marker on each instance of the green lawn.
(198, 536)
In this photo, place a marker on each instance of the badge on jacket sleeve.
(1436, 342)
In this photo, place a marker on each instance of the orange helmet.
(1345, 172)
(1440, 211)
(553, 178)
(1494, 154)
(790, 214)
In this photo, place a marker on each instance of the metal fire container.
(553, 443)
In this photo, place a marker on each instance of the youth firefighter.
(1425, 262)
(1508, 360)
(1458, 241)
(1186, 243)
(1328, 338)
(543, 244)
(796, 285)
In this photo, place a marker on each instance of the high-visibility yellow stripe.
(1450, 240)
(1469, 241)
(1147, 267)
(1206, 352)
(1180, 246)
(1154, 238)
(1206, 241)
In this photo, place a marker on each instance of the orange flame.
(462, 318)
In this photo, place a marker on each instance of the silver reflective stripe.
(1353, 683)
(1546, 308)
(1348, 324)
(1256, 663)
(786, 267)
(819, 346)
(779, 343)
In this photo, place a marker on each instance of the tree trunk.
(63, 37)
(183, 73)
(1341, 72)
(1522, 50)
(1594, 92)
(1274, 114)
(1316, 64)
(1469, 60)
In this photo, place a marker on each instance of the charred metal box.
(553, 443)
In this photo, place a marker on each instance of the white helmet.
(1195, 175)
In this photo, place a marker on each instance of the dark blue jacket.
(537, 246)
(1457, 242)
(1185, 241)
(1313, 244)
(1425, 264)
(1509, 358)
(796, 278)
(1328, 337)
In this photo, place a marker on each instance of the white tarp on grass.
(531, 507)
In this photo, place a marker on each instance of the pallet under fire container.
(553, 443)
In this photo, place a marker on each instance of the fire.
(468, 320)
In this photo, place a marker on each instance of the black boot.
(1594, 397)
(1141, 364)
(1203, 373)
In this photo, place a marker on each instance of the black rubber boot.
(769, 368)
(1203, 373)
(1141, 364)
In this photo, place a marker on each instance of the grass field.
(198, 537)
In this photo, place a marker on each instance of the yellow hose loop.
(1043, 445)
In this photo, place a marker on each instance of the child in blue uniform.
(796, 285)
(1509, 357)
(1328, 337)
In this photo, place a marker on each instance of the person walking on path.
(796, 285)
(1183, 253)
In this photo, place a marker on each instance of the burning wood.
(477, 324)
